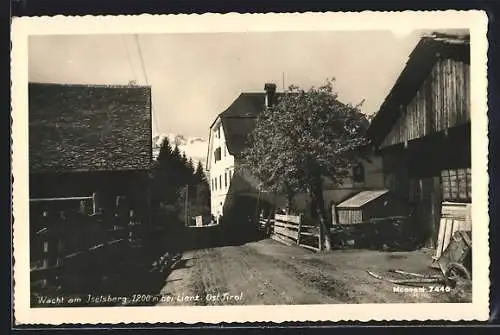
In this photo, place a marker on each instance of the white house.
(228, 138)
(220, 167)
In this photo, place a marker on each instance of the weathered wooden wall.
(442, 102)
(350, 215)
(134, 185)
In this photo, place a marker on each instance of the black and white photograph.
(216, 169)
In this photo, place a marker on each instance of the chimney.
(270, 89)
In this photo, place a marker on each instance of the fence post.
(299, 229)
(130, 226)
(320, 236)
(61, 238)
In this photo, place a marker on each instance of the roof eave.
(427, 47)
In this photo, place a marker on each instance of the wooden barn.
(422, 131)
(89, 159)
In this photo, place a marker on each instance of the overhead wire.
(129, 59)
(141, 58)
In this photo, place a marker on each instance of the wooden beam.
(60, 199)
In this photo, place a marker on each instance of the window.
(215, 183)
(456, 185)
(217, 154)
(358, 173)
(220, 181)
(217, 132)
(225, 179)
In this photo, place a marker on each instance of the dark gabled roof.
(240, 118)
(89, 128)
(420, 63)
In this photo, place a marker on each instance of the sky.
(194, 77)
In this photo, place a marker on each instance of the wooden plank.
(287, 218)
(286, 225)
(282, 240)
(448, 232)
(468, 218)
(313, 230)
(454, 210)
(286, 232)
(309, 247)
(440, 240)
(59, 199)
(308, 234)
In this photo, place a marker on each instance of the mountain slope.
(194, 147)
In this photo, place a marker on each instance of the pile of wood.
(384, 233)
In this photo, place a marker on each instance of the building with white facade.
(227, 138)
(240, 191)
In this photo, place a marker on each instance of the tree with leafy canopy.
(305, 137)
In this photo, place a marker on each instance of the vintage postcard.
(242, 168)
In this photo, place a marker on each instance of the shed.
(367, 205)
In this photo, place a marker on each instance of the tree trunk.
(324, 231)
(289, 200)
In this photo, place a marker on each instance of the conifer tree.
(199, 173)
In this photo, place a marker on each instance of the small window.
(456, 185)
(225, 179)
(230, 174)
(358, 173)
(217, 154)
(215, 183)
(218, 132)
(220, 181)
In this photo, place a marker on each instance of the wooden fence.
(66, 243)
(291, 229)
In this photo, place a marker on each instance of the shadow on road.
(218, 236)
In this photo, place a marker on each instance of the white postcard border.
(405, 21)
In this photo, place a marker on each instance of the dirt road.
(267, 272)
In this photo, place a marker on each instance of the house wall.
(413, 173)
(431, 134)
(442, 102)
(220, 171)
